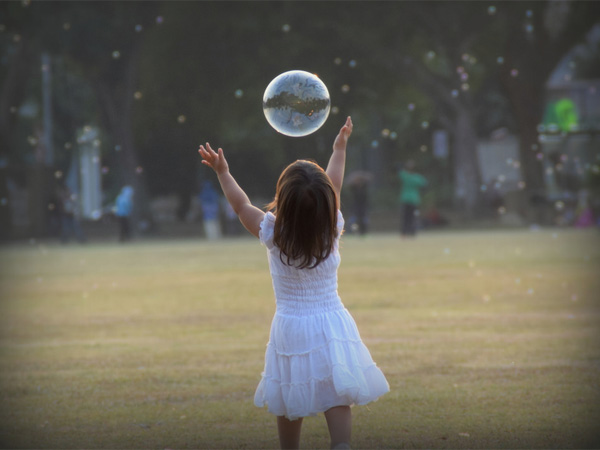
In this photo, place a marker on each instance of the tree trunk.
(467, 179)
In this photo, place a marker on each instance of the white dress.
(315, 358)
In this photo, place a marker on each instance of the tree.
(538, 36)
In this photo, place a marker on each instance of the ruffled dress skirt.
(315, 360)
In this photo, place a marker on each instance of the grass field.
(488, 339)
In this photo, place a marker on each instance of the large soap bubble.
(296, 103)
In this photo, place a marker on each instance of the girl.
(315, 359)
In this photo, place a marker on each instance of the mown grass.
(488, 340)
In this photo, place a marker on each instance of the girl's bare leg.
(289, 432)
(339, 422)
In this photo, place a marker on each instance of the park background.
(497, 104)
(486, 325)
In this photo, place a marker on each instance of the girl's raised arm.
(337, 162)
(249, 215)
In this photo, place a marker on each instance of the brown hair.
(305, 207)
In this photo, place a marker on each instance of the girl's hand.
(342, 138)
(216, 161)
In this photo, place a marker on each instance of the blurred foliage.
(177, 74)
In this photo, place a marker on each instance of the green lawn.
(488, 340)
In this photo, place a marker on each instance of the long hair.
(305, 207)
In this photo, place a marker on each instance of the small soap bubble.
(352, 63)
(3, 201)
(374, 143)
(454, 93)
(137, 95)
(514, 73)
(491, 10)
(239, 93)
(116, 54)
(501, 210)
(500, 60)
(181, 119)
(345, 88)
(385, 132)
(58, 174)
(423, 148)
(296, 103)
(425, 124)
(465, 86)
(411, 107)
(529, 28)
(286, 28)
(393, 135)
(335, 110)
(337, 61)
(430, 55)
(159, 20)
(117, 148)
(139, 170)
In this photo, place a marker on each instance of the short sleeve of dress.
(267, 227)
(340, 223)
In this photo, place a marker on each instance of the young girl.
(315, 359)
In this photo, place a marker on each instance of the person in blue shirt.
(123, 210)
(410, 197)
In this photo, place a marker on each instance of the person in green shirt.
(410, 197)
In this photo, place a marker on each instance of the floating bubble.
(239, 93)
(335, 110)
(385, 132)
(500, 60)
(159, 20)
(337, 61)
(514, 73)
(66, 26)
(181, 119)
(374, 143)
(491, 10)
(58, 174)
(393, 135)
(423, 148)
(529, 13)
(345, 88)
(411, 106)
(529, 28)
(116, 54)
(454, 93)
(3, 201)
(286, 28)
(464, 76)
(352, 63)
(139, 170)
(296, 103)
(430, 55)
(465, 86)
(117, 148)
(138, 28)
(424, 124)
(137, 95)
